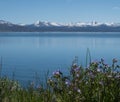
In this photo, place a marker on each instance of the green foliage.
(98, 82)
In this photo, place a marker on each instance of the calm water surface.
(25, 54)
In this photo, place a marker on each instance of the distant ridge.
(40, 26)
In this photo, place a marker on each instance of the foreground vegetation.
(98, 82)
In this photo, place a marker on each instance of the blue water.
(25, 54)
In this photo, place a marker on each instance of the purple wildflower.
(117, 76)
(74, 65)
(58, 72)
(91, 75)
(78, 90)
(77, 69)
(67, 82)
(98, 70)
(77, 75)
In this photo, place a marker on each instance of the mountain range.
(40, 26)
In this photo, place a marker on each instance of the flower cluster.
(57, 74)
(84, 82)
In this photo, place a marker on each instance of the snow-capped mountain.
(39, 23)
(5, 22)
(77, 24)
(21, 24)
(41, 26)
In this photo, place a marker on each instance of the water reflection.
(39, 52)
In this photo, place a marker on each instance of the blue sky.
(29, 11)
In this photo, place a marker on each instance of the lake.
(26, 56)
